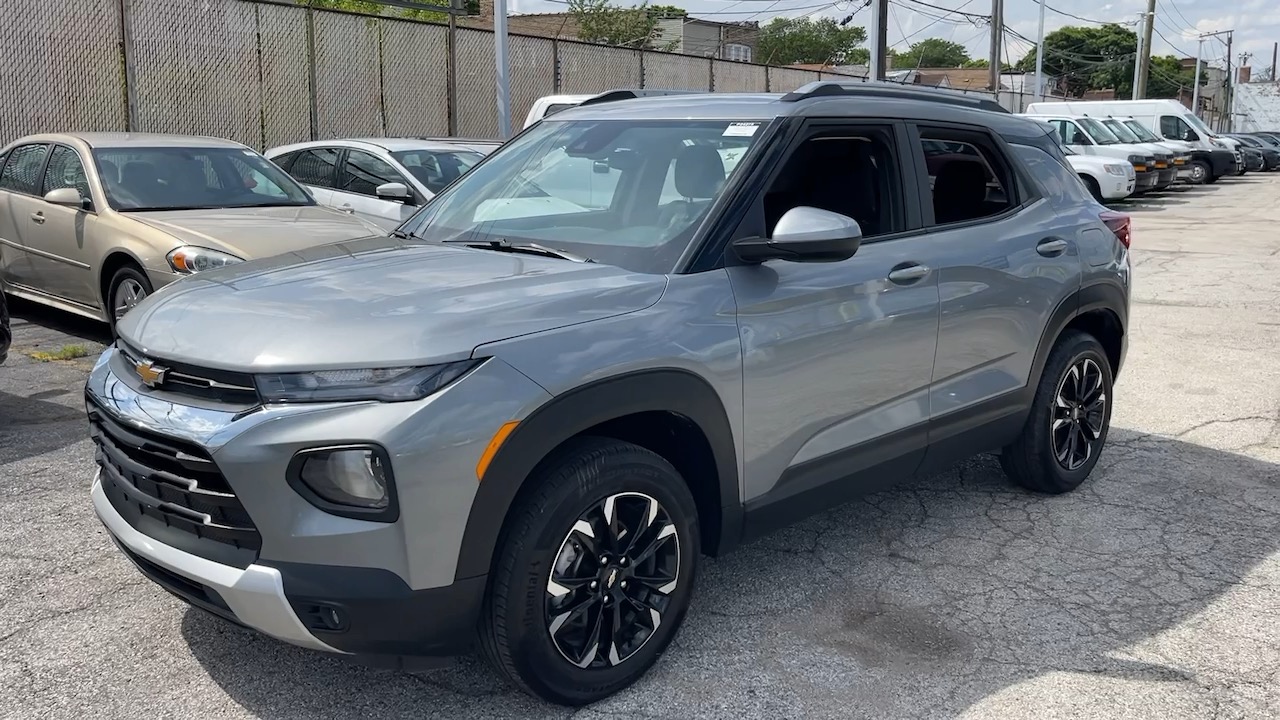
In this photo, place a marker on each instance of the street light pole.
(502, 74)
(1137, 65)
(1195, 94)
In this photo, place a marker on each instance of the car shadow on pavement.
(48, 322)
(926, 600)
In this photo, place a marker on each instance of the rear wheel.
(129, 286)
(595, 572)
(1070, 416)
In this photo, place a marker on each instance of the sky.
(1177, 22)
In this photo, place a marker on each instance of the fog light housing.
(351, 481)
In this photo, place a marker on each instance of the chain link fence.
(272, 72)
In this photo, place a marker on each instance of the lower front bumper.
(253, 596)
(1146, 181)
(367, 612)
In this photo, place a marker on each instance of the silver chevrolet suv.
(643, 331)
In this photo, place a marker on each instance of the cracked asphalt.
(1152, 592)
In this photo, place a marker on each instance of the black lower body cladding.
(1222, 162)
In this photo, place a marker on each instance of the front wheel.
(595, 572)
(1200, 172)
(1070, 416)
(1094, 189)
(129, 286)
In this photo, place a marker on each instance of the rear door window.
(22, 169)
(316, 166)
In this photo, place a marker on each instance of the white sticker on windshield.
(741, 129)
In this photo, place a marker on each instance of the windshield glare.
(437, 168)
(1142, 132)
(175, 178)
(1118, 129)
(1098, 132)
(629, 193)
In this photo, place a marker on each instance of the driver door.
(837, 356)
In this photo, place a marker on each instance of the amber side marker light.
(494, 445)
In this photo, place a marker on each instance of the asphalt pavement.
(1151, 592)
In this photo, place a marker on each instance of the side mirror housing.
(397, 192)
(1190, 136)
(804, 234)
(68, 197)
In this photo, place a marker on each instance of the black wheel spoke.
(660, 539)
(1077, 417)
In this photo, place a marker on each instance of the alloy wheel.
(612, 580)
(1079, 413)
(128, 294)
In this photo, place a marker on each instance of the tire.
(1211, 179)
(545, 531)
(1094, 189)
(128, 279)
(1200, 173)
(1035, 459)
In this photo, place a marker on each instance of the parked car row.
(1158, 142)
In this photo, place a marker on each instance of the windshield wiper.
(505, 245)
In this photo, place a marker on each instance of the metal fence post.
(126, 55)
(642, 78)
(768, 79)
(712, 73)
(451, 72)
(555, 66)
(311, 72)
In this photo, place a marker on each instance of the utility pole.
(502, 67)
(1195, 93)
(1040, 56)
(1144, 55)
(880, 53)
(1274, 48)
(1228, 86)
(1137, 64)
(997, 33)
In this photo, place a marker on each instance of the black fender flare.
(1100, 295)
(570, 413)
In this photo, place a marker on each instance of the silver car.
(93, 222)
(383, 180)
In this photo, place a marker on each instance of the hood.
(379, 302)
(258, 232)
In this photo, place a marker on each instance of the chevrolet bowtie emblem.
(149, 373)
(613, 577)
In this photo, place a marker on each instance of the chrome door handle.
(347, 209)
(905, 275)
(37, 217)
(1051, 247)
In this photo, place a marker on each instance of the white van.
(1213, 156)
(1087, 136)
(552, 104)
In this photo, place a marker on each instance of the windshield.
(177, 178)
(1142, 132)
(437, 168)
(1197, 123)
(629, 193)
(1246, 140)
(1118, 129)
(1098, 132)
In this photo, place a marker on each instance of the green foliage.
(1165, 77)
(932, 53)
(785, 41)
(370, 7)
(601, 22)
(1088, 58)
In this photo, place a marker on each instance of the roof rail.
(858, 88)
(623, 94)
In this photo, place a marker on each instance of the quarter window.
(22, 170)
(315, 167)
(967, 180)
(65, 171)
(363, 173)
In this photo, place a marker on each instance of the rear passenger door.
(1004, 262)
(19, 208)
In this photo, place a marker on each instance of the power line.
(936, 20)
(1181, 52)
(949, 11)
(1185, 21)
(1085, 19)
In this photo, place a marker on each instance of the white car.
(1106, 178)
(383, 180)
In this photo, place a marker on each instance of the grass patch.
(66, 352)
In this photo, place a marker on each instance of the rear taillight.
(1120, 224)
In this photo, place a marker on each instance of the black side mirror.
(1190, 136)
(804, 234)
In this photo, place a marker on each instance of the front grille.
(222, 386)
(174, 484)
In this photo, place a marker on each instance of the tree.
(601, 22)
(373, 7)
(1088, 58)
(786, 41)
(932, 53)
(1166, 78)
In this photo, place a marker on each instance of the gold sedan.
(92, 223)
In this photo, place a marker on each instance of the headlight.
(381, 384)
(351, 480)
(1117, 169)
(1180, 160)
(190, 259)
